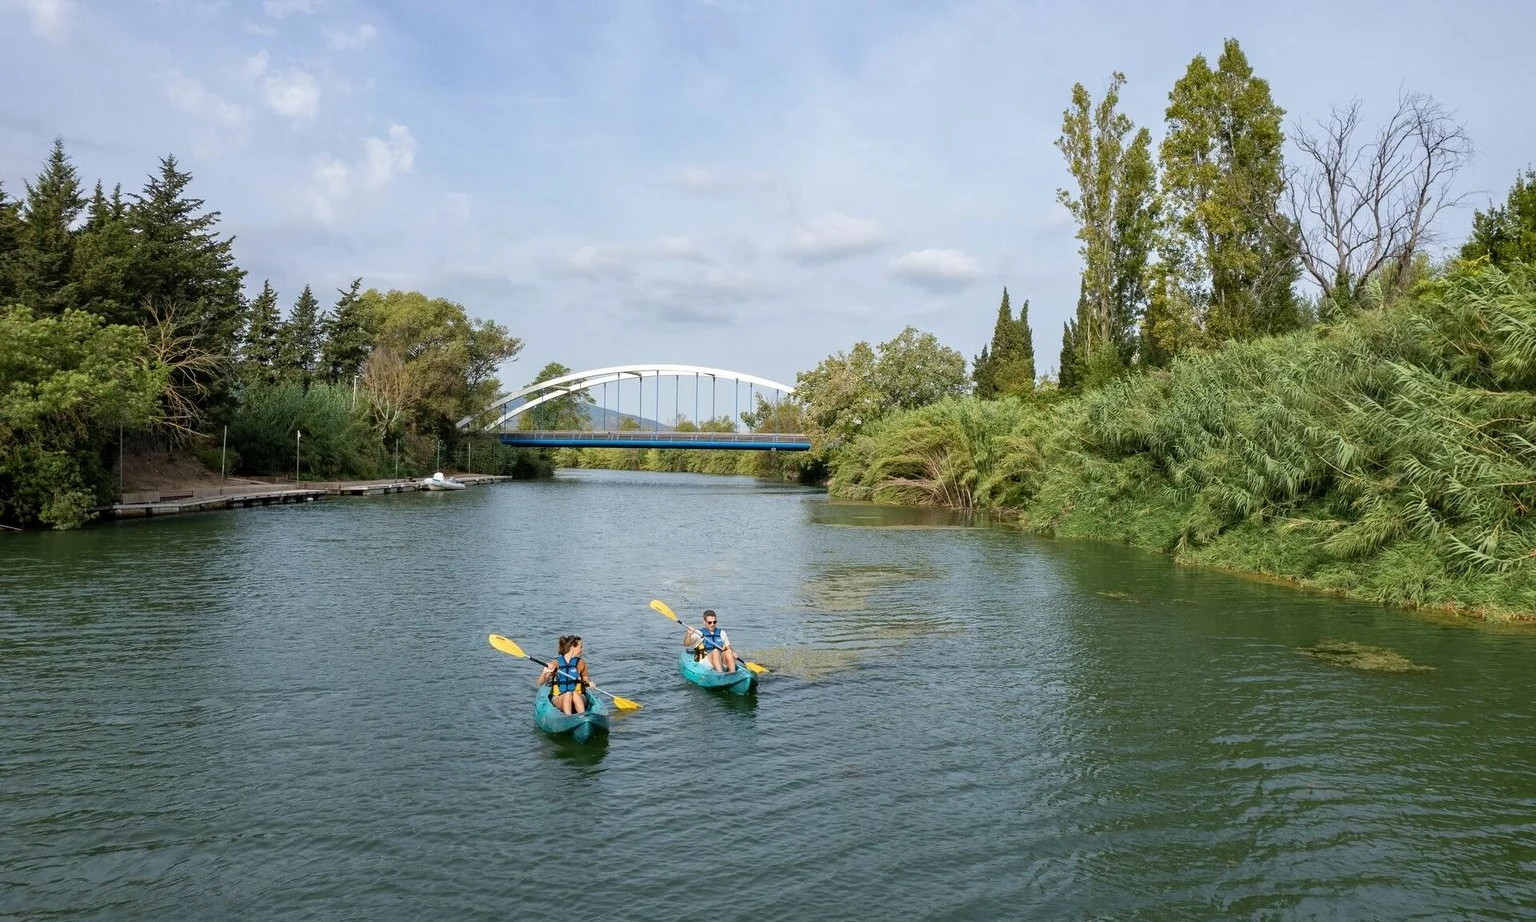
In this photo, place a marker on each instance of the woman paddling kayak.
(567, 677)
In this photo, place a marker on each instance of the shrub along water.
(1391, 457)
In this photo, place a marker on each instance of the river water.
(293, 713)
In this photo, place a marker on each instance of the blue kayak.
(699, 673)
(580, 727)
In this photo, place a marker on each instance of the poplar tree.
(1222, 176)
(1116, 214)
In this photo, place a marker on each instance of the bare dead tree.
(390, 389)
(1367, 208)
(187, 369)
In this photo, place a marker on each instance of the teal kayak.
(580, 727)
(699, 673)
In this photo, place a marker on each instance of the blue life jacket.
(567, 675)
(712, 639)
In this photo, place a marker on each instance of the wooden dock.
(248, 495)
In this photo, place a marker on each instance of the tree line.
(1370, 436)
(124, 320)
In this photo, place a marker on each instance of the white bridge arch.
(556, 388)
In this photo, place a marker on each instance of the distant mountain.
(611, 419)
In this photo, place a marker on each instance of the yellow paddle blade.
(625, 704)
(754, 667)
(661, 606)
(508, 647)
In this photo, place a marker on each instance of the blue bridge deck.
(739, 441)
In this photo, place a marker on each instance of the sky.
(741, 184)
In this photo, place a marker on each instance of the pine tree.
(180, 262)
(348, 340)
(104, 257)
(298, 343)
(259, 352)
(47, 252)
(10, 246)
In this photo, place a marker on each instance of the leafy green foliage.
(1506, 234)
(848, 391)
(567, 412)
(264, 431)
(67, 383)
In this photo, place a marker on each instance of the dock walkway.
(247, 495)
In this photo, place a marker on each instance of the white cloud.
(701, 180)
(709, 296)
(278, 9)
(294, 94)
(936, 270)
(386, 159)
(189, 95)
(50, 18)
(255, 66)
(683, 248)
(334, 182)
(834, 236)
(597, 263)
(356, 38)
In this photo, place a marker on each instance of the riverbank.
(1389, 458)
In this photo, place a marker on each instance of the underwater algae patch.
(848, 589)
(808, 663)
(1359, 656)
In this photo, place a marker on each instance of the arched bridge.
(624, 406)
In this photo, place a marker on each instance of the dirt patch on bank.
(171, 472)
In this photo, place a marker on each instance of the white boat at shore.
(438, 482)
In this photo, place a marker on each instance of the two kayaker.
(567, 678)
(711, 643)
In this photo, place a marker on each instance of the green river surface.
(293, 713)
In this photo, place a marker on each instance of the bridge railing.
(651, 435)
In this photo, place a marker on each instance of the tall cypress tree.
(298, 343)
(348, 338)
(259, 352)
(1007, 365)
(48, 216)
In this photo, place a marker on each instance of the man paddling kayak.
(711, 644)
(567, 677)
